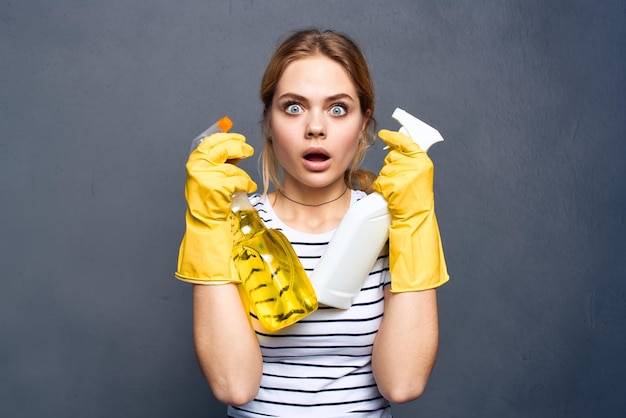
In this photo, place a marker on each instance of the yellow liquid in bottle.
(273, 279)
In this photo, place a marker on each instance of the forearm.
(226, 346)
(405, 348)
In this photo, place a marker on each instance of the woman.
(318, 120)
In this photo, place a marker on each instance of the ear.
(366, 119)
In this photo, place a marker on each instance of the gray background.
(100, 99)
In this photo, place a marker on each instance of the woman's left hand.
(406, 182)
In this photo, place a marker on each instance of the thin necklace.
(316, 204)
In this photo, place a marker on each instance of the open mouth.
(316, 157)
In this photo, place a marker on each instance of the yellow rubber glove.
(416, 260)
(205, 252)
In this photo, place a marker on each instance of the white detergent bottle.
(362, 233)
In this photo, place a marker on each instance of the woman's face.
(315, 120)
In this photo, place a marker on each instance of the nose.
(315, 127)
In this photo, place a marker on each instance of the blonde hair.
(343, 50)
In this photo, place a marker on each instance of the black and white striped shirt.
(321, 366)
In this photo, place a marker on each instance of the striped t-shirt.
(321, 366)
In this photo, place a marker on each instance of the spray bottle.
(273, 280)
(362, 233)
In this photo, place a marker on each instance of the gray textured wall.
(98, 103)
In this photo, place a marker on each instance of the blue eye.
(338, 110)
(293, 108)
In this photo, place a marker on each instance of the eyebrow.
(332, 98)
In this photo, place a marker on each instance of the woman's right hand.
(212, 178)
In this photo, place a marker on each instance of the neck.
(334, 199)
(308, 216)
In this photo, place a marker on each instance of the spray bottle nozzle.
(222, 125)
(421, 132)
